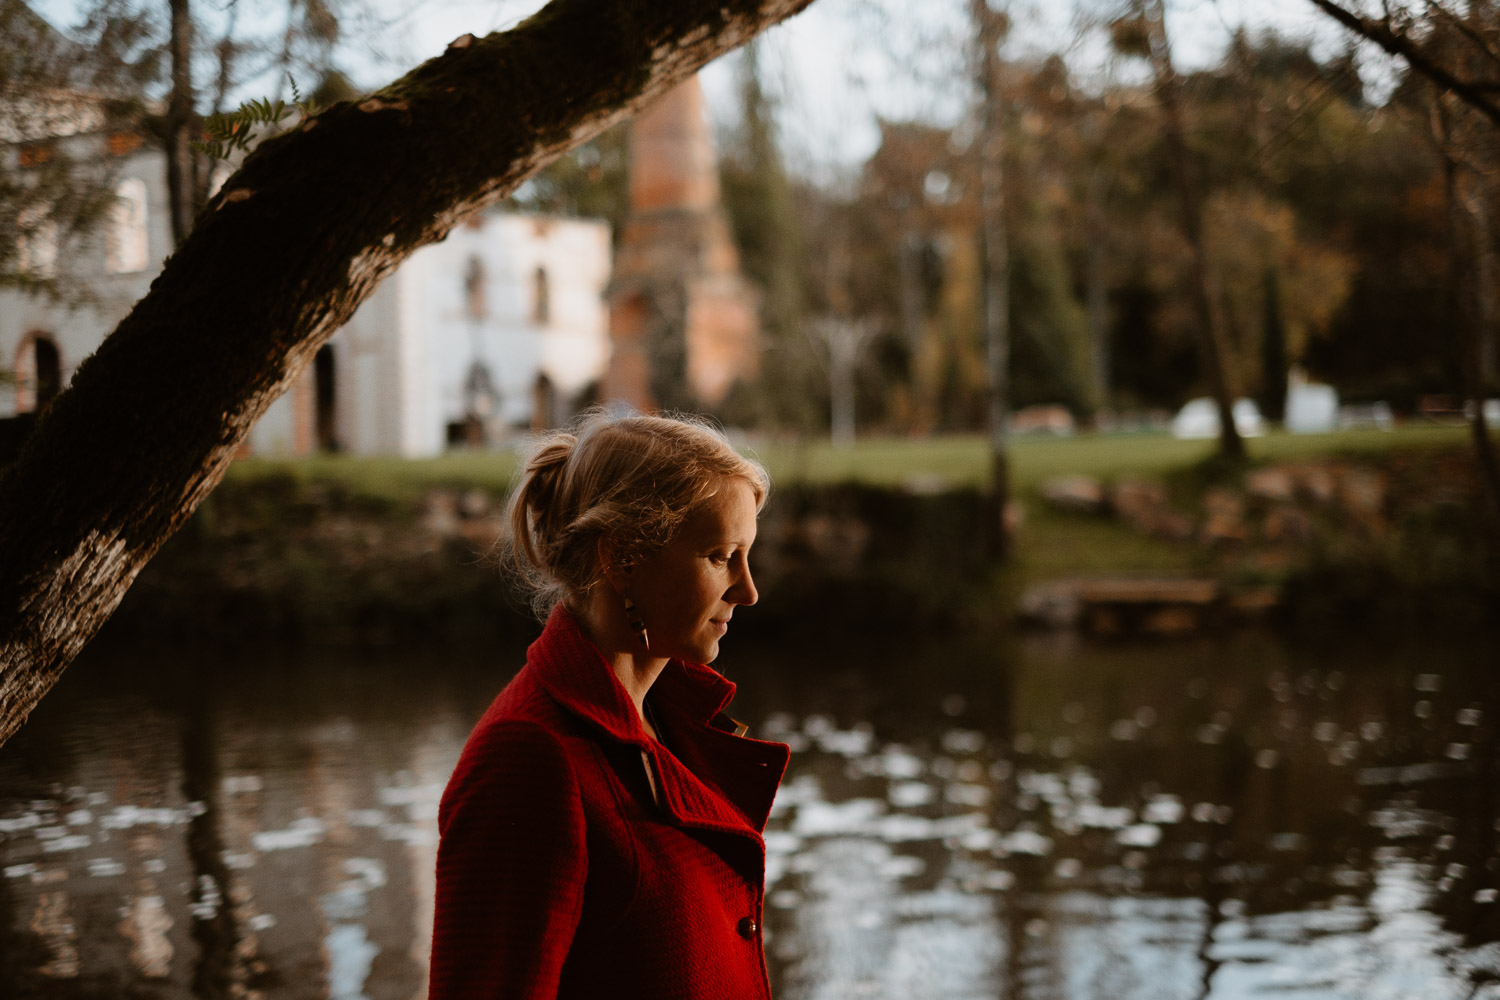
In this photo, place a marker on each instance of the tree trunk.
(1485, 276)
(1097, 291)
(1467, 313)
(279, 260)
(1273, 388)
(843, 340)
(1213, 336)
(989, 27)
(182, 182)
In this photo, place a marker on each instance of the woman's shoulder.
(523, 705)
(511, 758)
(524, 723)
(520, 721)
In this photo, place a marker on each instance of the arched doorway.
(48, 371)
(325, 399)
(38, 372)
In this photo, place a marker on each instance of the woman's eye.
(718, 559)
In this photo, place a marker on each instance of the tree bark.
(278, 260)
(1213, 337)
(989, 28)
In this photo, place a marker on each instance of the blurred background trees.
(1323, 212)
(1322, 226)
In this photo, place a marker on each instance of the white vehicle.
(1199, 418)
(1491, 411)
(1311, 407)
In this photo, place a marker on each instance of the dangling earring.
(636, 623)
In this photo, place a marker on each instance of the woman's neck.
(603, 619)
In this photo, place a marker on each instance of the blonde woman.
(601, 834)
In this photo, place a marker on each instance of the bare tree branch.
(1463, 27)
(1399, 43)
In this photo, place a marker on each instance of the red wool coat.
(558, 876)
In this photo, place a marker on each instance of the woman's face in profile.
(688, 591)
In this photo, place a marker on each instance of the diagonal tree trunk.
(279, 260)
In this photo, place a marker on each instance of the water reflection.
(1232, 819)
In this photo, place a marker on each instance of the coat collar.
(711, 779)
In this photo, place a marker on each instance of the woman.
(601, 834)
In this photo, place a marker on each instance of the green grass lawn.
(383, 477)
(1051, 544)
(962, 461)
(945, 461)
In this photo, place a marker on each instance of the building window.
(541, 300)
(474, 304)
(127, 244)
(36, 247)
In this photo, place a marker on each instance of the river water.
(1030, 818)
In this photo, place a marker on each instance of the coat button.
(747, 927)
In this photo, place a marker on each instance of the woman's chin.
(706, 652)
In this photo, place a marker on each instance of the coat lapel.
(737, 773)
(710, 779)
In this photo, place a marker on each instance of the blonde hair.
(633, 480)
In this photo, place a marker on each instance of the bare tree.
(1402, 32)
(1457, 47)
(843, 341)
(280, 259)
(1146, 33)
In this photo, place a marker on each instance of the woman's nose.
(743, 591)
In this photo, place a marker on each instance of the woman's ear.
(611, 567)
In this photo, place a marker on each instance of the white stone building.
(502, 325)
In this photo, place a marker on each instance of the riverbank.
(890, 533)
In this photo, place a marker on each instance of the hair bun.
(630, 479)
(544, 472)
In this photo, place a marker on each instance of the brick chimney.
(682, 320)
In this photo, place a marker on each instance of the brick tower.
(681, 319)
